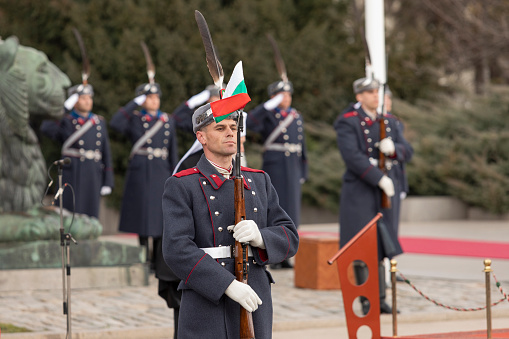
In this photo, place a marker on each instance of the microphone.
(64, 161)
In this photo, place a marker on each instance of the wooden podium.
(363, 247)
(311, 268)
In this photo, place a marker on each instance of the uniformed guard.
(85, 141)
(284, 150)
(200, 230)
(358, 137)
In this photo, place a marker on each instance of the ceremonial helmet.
(280, 86)
(203, 117)
(81, 89)
(365, 84)
(148, 88)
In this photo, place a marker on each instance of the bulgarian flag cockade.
(235, 96)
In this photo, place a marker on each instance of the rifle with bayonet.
(241, 250)
(386, 200)
(241, 253)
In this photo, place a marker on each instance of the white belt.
(292, 148)
(83, 153)
(155, 152)
(222, 252)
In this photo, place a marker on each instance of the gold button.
(204, 182)
(220, 229)
(217, 213)
(249, 180)
(223, 264)
(212, 197)
(255, 209)
(253, 193)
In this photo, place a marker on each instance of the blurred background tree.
(445, 58)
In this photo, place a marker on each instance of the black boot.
(361, 275)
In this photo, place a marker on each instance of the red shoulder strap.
(186, 172)
(247, 169)
(350, 114)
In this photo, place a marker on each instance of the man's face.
(84, 104)
(368, 99)
(152, 103)
(287, 100)
(219, 138)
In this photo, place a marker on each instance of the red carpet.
(436, 246)
(502, 333)
(454, 247)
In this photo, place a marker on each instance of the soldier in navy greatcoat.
(358, 137)
(198, 207)
(284, 151)
(151, 161)
(85, 141)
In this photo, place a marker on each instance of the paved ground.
(137, 312)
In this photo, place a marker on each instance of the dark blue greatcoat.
(360, 199)
(183, 118)
(86, 176)
(141, 204)
(287, 170)
(198, 206)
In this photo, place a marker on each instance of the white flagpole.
(375, 37)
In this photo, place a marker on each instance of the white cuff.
(198, 99)
(71, 101)
(139, 100)
(274, 102)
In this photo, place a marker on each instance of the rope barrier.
(453, 307)
(500, 287)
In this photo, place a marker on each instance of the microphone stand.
(65, 239)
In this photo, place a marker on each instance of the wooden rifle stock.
(241, 254)
(386, 201)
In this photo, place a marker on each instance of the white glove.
(71, 101)
(387, 146)
(244, 295)
(274, 102)
(105, 190)
(247, 231)
(198, 99)
(386, 185)
(140, 99)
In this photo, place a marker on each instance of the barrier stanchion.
(487, 271)
(394, 263)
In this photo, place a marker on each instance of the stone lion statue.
(29, 85)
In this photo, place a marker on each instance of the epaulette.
(350, 114)
(247, 169)
(186, 172)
